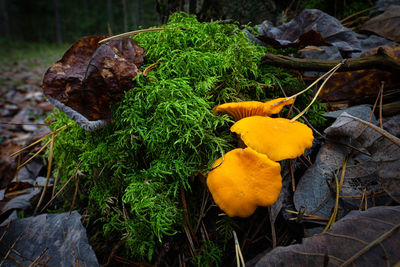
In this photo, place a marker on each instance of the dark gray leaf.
(362, 238)
(383, 147)
(60, 238)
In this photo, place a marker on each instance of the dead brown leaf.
(90, 77)
(386, 24)
(356, 86)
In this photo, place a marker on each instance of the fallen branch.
(381, 60)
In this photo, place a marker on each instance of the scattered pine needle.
(339, 184)
(62, 188)
(238, 252)
(149, 68)
(49, 165)
(331, 72)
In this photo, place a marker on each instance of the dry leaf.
(386, 24)
(90, 77)
(310, 27)
(356, 86)
(368, 238)
(383, 147)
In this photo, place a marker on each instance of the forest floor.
(23, 107)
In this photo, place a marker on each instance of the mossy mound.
(164, 135)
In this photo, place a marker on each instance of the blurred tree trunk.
(125, 15)
(58, 21)
(110, 16)
(136, 14)
(4, 18)
(242, 10)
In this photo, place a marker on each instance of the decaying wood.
(381, 60)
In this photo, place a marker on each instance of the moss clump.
(165, 133)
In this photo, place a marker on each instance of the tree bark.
(381, 60)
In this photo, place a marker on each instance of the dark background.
(64, 21)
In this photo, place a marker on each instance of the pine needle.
(125, 34)
(332, 71)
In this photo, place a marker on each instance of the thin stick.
(62, 188)
(185, 210)
(49, 164)
(12, 246)
(374, 107)
(75, 194)
(273, 233)
(149, 68)
(379, 130)
(38, 141)
(55, 182)
(292, 174)
(311, 85)
(338, 189)
(370, 245)
(319, 90)
(131, 33)
(358, 13)
(380, 104)
(39, 258)
(239, 255)
(40, 150)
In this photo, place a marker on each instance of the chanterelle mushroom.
(278, 138)
(243, 180)
(239, 110)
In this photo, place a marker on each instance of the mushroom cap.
(243, 180)
(239, 110)
(278, 138)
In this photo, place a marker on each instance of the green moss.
(164, 131)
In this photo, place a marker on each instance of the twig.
(185, 210)
(75, 194)
(38, 259)
(338, 189)
(374, 107)
(189, 237)
(62, 188)
(358, 13)
(380, 104)
(38, 141)
(14, 123)
(370, 245)
(272, 223)
(379, 130)
(361, 196)
(149, 68)
(40, 150)
(238, 252)
(12, 246)
(381, 60)
(292, 175)
(319, 90)
(131, 33)
(49, 165)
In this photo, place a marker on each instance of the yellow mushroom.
(243, 180)
(277, 138)
(239, 110)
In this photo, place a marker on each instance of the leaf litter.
(371, 179)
